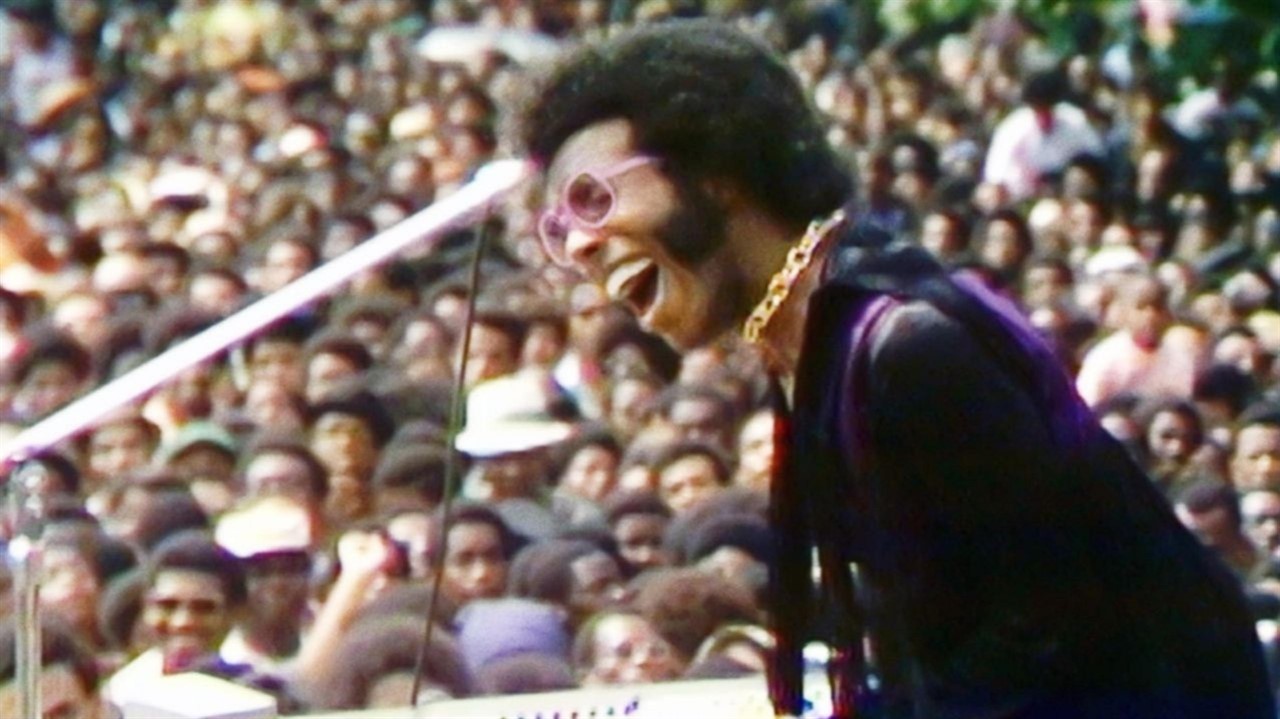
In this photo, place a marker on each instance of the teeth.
(620, 281)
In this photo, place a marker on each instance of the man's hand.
(364, 554)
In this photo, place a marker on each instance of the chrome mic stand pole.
(24, 558)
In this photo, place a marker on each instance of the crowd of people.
(280, 514)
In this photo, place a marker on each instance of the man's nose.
(582, 246)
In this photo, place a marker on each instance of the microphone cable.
(483, 234)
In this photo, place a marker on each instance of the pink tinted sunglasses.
(588, 201)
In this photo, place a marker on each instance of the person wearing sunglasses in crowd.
(1017, 562)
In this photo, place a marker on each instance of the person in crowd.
(421, 346)
(283, 465)
(631, 402)
(1255, 455)
(71, 585)
(547, 337)
(528, 673)
(409, 477)
(1211, 509)
(735, 546)
(119, 610)
(372, 668)
(513, 424)
(1260, 513)
(589, 465)
(1221, 393)
(287, 257)
(686, 605)
(331, 359)
(1003, 244)
(1241, 347)
(755, 450)
(573, 574)
(881, 206)
(69, 675)
(478, 555)
(581, 369)
(1038, 139)
(367, 566)
(193, 592)
(216, 290)
(944, 232)
(117, 446)
(496, 339)
(690, 473)
(277, 355)
(145, 508)
(346, 432)
(271, 536)
(619, 648)
(204, 455)
(369, 318)
(698, 413)
(1172, 433)
(1147, 353)
(47, 374)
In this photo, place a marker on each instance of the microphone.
(470, 203)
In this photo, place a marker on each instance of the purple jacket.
(1014, 561)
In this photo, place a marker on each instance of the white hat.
(196, 696)
(412, 122)
(183, 181)
(511, 414)
(263, 526)
(1114, 259)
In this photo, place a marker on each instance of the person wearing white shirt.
(1038, 139)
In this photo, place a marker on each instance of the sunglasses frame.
(564, 213)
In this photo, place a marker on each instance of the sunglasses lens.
(589, 199)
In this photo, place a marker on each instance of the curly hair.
(376, 648)
(544, 571)
(195, 551)
(687, 605)
(712, 102)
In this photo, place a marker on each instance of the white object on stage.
(740, 698)
(199, 696)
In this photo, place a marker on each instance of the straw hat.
(265, 525)
(511, 414)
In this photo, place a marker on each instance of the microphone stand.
(24, 557)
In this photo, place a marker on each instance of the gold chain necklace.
(781, 284)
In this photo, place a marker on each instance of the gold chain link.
(780, 286)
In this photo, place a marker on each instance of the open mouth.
(634, 284)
